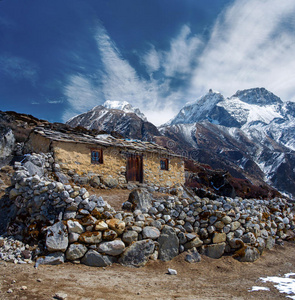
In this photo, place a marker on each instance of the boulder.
(101, 225)
(109, 181)
(270, 242)
(247, 254)
(150, 232)
(76, 251)
(140, 199)
(109, 235)
(7, 142)
(214, 250)
(196, 242)
(74, 227)
(193, 256)
(117, 225)
(138, 253)
(57, 237)
(113, 248)
(130, 236)
(90, 237)
(94, 259)
(55, 258)
(218, 237)
(168, 244)
(35, 165)
(61, 177)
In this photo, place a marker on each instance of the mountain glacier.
(253, 128)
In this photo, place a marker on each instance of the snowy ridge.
(197, 111)
(124, 106)
(260, 132)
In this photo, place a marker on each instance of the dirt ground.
(223, 278)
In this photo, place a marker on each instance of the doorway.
(134, 169)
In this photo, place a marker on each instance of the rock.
(61, 296)
(172, 272)
(214, 250)
(138, 253)
(90, 237)
(55, 258)
(219, 224)
(34, 169)
(218, 237)
(270, 243)
(235, 225)
(226, 220)
(196, 242)
(236, 243)
(140, 199)
(74, 226)
(249, 238)
(113, 248)
(109, 234)
(101, 225)
(168, 244)
(75, 251)
(247, 254)
(61, 177)
(109, 181)
(193, 256)
(73, 237)
(130, 236)
(150, 232)
(57, 237)
(117, 225)
(94, 259)
(94, 181)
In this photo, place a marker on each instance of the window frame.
(164, 164)
(96, 160)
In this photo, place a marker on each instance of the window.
(96, 157)
(164, 164)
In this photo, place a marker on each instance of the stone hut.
(110, 157)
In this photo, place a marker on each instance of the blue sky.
(61, 58)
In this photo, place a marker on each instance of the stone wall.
(153, 174)
(75, 158)
(37, 144)
(69, 224)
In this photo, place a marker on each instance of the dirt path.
(224, 278)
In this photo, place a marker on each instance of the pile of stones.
(66, 223)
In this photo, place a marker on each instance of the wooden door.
(134, 169)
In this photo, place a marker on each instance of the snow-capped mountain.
(252, 131)
(129, 122)
(124, 106)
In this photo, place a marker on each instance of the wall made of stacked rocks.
(153, 174)
(68, 224)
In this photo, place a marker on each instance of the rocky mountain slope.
(119, 117)
(250, 133)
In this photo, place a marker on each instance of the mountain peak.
(124, 106)
(199, 110)
(258, 96)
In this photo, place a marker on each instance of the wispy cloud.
(81, 96)
(117, 80)
(152, 60)
(18, 68)
(181, 57)
(252, 44)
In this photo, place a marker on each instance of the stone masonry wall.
(69, 224)
(153, 174)
(77, 157)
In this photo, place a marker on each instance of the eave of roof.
(105, 140)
